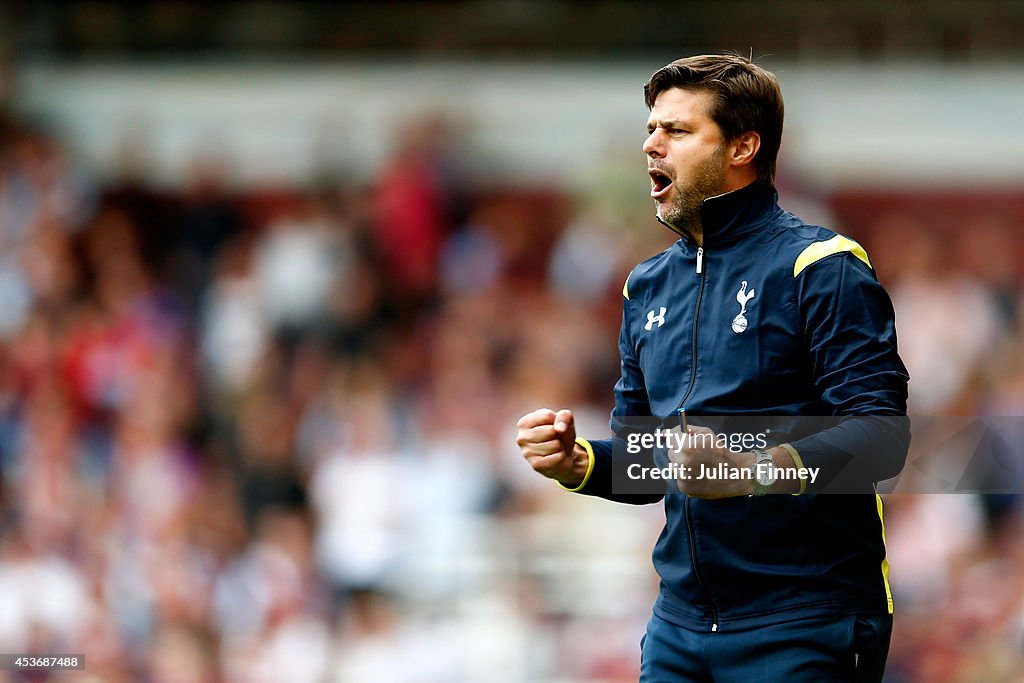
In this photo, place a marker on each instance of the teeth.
(660, 180)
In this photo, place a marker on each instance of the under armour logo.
(651, 318)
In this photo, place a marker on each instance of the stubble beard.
(706, 180)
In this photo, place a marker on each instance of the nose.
(654, 145)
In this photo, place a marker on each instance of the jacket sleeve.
(606, 454)
(850, 334)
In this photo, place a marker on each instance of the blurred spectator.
(358, 493)
(585, 261)
(412, 210)
(947, 321)
(43, 202)
(268, 471)
(209, 220)
(234, 331)
(471, 259)
(267, 607)
(296, 261)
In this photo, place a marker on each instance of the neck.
(694, 231)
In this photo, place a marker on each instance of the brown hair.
(746, 98)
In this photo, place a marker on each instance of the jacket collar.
(728, 217)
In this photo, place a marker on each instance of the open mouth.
(660, 183)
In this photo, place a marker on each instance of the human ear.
(744, 149)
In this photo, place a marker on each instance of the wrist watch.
(764, 477)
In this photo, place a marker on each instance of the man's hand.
(699, 455)
(548, 441)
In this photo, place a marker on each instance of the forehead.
(679, 104)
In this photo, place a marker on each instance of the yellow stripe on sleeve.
(798, 462)
(590, 466)
(819, 250)
(625, 287)
(885, 558)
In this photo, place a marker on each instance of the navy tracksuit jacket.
(817, 338)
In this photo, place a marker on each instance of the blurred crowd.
(267, 434)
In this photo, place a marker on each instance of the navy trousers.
(833, 649)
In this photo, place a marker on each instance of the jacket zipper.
(696, 323)
(689, 391)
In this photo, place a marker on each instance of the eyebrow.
(666, 123)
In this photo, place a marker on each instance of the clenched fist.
(548, 441)
(698, 454)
